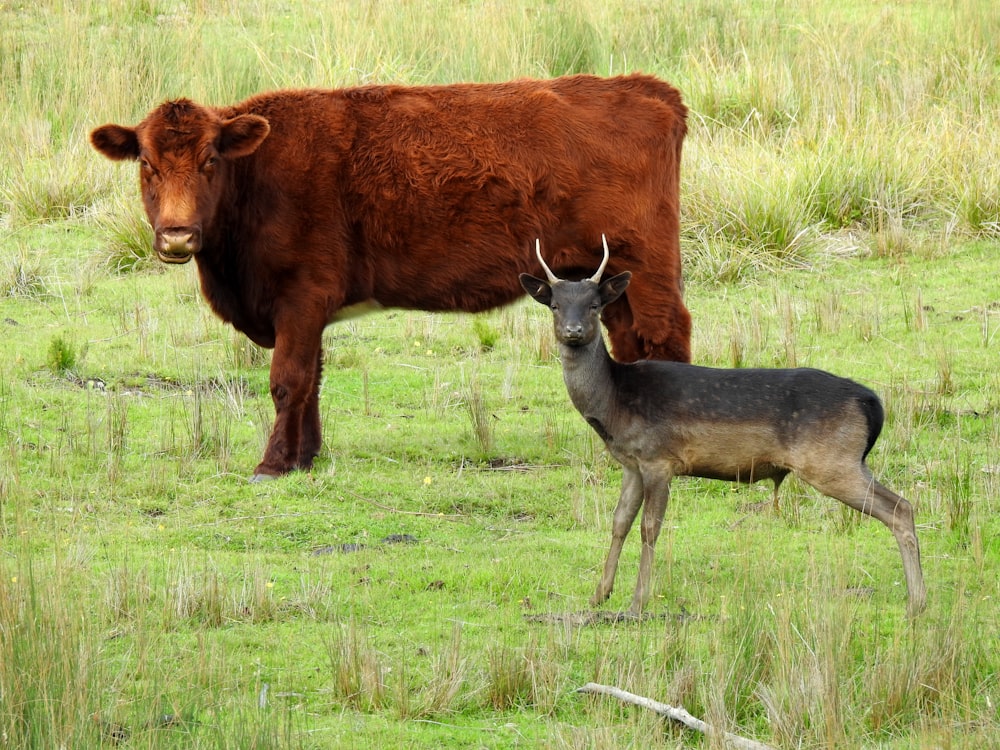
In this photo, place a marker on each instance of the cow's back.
(454, 183)
(431, 197)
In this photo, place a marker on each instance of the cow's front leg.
(295, 437)
(312, 431)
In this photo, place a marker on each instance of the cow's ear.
(242, 135)
(539, 290)
(613, 288)
(115, 142)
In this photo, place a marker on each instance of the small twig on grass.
(455, 726)
(390, 509)
(233, 519)
(236, 519)
(611, 617)
(672, 712)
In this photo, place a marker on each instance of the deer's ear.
(539, 290)
(613, 288)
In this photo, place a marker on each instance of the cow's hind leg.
(649, 322)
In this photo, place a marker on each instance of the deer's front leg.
(625, 512)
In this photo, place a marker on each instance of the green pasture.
(427, 584)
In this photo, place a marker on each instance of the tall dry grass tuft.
(22, 275)
(357, 669)
(195, 596)
(51, 668)
(934, 674)
(441, 692)
(128, 237)
(480, 416)
(805, 688)
(53, 187)
(128, 594)
(509, 679)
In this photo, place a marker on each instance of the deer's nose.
(572, 332)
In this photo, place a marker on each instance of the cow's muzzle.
(177, 244)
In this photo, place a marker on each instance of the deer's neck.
(587, 373)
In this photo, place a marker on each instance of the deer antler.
(548, 271)
(596, 278)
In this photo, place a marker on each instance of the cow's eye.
(210, 163)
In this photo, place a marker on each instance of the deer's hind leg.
(656, 495)
(861, 491)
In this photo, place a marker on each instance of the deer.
(661, 419)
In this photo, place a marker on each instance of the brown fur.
(296, 204)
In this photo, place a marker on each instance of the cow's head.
(184, 152)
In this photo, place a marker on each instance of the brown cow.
(298, 204)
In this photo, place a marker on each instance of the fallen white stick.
(672, 712)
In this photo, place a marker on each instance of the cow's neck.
(228, 290)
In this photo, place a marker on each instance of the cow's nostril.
(179, 239)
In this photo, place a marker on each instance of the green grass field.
(427, 583)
